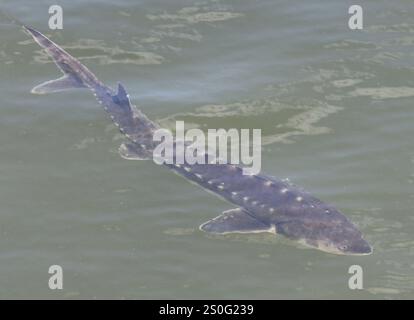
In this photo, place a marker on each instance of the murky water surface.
(336, 109)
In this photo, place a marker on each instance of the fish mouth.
(345, 253)
(357, 253)
(366, 252)
(361, 248)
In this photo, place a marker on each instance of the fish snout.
(359, 247)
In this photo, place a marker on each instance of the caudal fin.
(70, 67)
(66, 82)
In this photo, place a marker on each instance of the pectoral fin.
(132, 152)
(235, 221)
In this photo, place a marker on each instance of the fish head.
(339, 236)
(326, 230)
(344, 242)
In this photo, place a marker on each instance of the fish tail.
(75, 74)
(130, 121)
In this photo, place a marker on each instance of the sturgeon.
(263, 203)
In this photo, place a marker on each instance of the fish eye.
(343, 247)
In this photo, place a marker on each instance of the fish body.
(263, 203)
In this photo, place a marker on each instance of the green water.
(336, 109)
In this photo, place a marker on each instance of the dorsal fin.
(122, 96)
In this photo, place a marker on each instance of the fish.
(263, 204)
